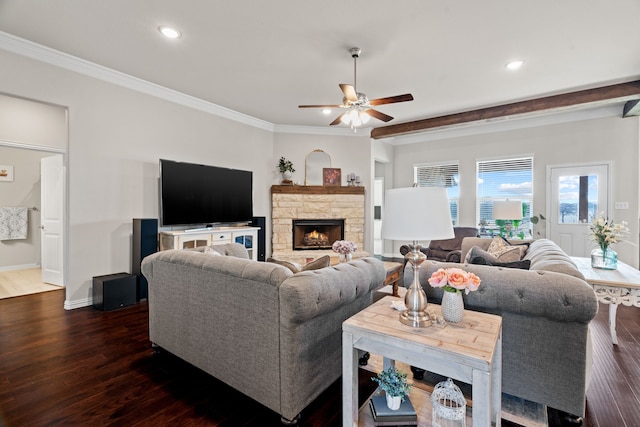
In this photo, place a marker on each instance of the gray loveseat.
(546, 311)
(271, 334)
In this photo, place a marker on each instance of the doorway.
(577, 193)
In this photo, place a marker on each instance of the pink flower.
(438, 279)
(454, 279)
(457, 278)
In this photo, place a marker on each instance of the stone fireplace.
(316, 234)
(307, 205)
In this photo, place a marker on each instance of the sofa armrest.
(454, 256)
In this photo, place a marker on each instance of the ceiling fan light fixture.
(364, 117)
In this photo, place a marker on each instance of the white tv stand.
(193, 238)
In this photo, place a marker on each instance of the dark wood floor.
(90, 368)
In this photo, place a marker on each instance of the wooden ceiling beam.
(631, 108)
(605, 93)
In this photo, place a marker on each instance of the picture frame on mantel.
(332, 177)
(6, 173)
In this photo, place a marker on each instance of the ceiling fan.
(357, 104)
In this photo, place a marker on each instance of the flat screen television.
(201, 195)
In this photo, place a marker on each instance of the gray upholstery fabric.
(256, 326)
(546, 348)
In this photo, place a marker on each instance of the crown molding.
(54, 57)
(328, 131)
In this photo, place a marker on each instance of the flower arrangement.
(605, 232)
(393, 382)
(344, 246)
(454, 280)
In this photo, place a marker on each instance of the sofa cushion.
(293, 266)
(316, 264)
(505, 251)
(210, 251)
(481, 257)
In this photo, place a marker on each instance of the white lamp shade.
(507, 209)
(417, 214)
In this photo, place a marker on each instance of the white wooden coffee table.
(469, 351)
(612, 287)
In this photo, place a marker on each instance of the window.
(505, 179)
(441, 175)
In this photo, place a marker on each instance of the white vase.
(286, 176)
(346, 257)
(393, 402)
(452, 306)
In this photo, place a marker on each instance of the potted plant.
(286, 169)
(395, 386)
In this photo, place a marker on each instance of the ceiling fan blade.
(378, 115)
(392, 99)
(319, 106)
(338, 120)
(349, 92)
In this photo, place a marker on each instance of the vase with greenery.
(286, 169)
(395, 386)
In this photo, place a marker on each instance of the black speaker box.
(259, 221)
(145, 242)
(114, 291)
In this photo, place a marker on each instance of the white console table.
(247, 236)
(612, 287)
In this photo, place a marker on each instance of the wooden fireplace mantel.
(315, 189)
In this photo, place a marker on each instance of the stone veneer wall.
(315, 202)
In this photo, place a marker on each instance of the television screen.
(192, 194)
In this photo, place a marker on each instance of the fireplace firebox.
(316, 233)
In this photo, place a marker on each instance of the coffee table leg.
(613, 309)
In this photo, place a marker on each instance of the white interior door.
(578, 193)
(52, 219)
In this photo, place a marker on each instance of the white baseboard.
(19, 267)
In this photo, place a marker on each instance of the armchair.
(448, 250)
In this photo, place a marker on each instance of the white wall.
(602, 139)
(116, 137)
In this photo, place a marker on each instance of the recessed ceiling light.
(326, 111)
(169, 32)
(514, 65)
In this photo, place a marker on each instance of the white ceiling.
(264, 58)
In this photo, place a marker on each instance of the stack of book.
(383, 416)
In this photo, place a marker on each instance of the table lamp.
(508, 210)
(416, 214)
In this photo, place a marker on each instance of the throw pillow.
(524, 264)
(317, 264)
(294, 267)
(210, 251)
(505, 251)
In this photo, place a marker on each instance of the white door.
(52, 219)
(578, 193)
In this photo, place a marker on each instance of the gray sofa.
(271, 334)
(546, 311)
